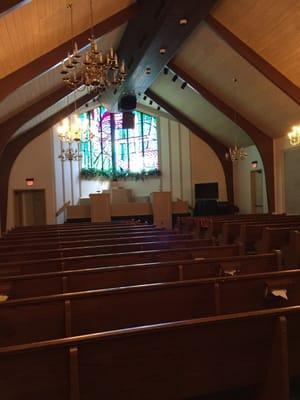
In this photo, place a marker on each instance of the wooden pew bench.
(250, 234)
(14, 247)
(32, 285)
(72, 314)
(110, 235)
(179, 360)
(73, 233)
(275, 238)
(103, 260)
(232, 231)
(101, 249)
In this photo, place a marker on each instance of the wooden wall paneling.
(15, 146)
(271, 73)
(42, 64)
(262, 141)
(219, 149)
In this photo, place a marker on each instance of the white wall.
(281, 147)
(206, 167)
(242, 183)
(35, 161)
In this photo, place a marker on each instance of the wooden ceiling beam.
(15, 146)
(218, 147)
(42, 64)
(12, 124)
(262, 141)
(8, 6)
(271, 73)
(151, 40)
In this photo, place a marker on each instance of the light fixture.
(174, 79)
(254, 164)
(236, 153)
(70, 154)
(183, 86)
(162, 50)
(183, 21)
(95, 71)
(166, 70)
(148, 71)
(294, 135)
(69, 129)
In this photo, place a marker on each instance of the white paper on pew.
(280, 293)
(3, 298)
(230, 272)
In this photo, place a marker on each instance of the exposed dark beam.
(255, 59)
(7, 6)
(262, 141)
(42, 64)
(12, 124)
(158, 27)
(15, 146)
(219, 149)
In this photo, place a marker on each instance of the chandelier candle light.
(95, 71)
(236, 153)
(294, 135)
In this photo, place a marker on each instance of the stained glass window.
(106, 146)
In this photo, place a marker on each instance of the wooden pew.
(72, 232)
(232, 231)
(86, 236)
(177, 360)
(103, 260)
(44, 318)
(250, 234)
(33, 285)
(40, 245)
(275, 238)
(101, 249)
(292, 252)
(76, 225)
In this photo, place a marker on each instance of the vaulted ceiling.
(268, 28)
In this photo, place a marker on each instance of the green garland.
(93, 173)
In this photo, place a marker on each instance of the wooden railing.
(62, 208)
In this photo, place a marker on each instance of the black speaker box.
(127, 102)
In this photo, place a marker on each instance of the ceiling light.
(166, 70)
(183, 21)
(174, 79)
(183, 86)
(162, 50)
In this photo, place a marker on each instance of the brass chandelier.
(236, 153)
(93, 70)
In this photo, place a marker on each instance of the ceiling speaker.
(127, 103)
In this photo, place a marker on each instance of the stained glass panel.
(108, 147)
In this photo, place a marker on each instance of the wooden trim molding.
(262, 141)
(271, 73)
(15, 146)
(11, 5)
(219, 149)
(42, 64)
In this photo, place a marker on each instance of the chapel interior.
(150, 199)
